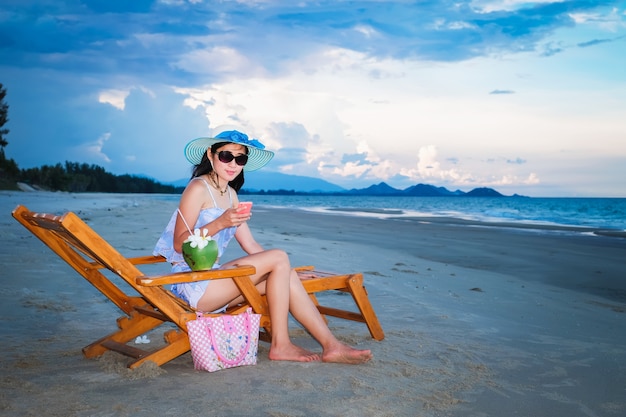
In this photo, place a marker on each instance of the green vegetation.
(75, 177)
(72, 177)
(79, 178)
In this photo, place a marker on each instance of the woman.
(209, 202)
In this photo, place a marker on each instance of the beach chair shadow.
(148, 304)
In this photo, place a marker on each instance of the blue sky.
(523, 97)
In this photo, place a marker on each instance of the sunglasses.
(226, 157)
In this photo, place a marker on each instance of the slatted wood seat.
(146, 302)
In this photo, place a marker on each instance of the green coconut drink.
(200, 251)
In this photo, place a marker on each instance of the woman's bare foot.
(341, 353)
(293, 353)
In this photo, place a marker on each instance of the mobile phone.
(244, 207)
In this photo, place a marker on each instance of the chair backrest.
(89, 254)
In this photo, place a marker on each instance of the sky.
(525, 97)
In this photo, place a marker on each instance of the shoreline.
(529, 225)
(123, 199)
(479, 321)
(428, 239)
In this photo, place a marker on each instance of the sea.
(594, 213)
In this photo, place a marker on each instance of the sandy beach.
(479, 321)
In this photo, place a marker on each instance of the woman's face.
(228, 170)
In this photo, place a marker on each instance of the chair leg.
(317, 304)
(350, 283)
(129, 328)
(357, 289)
(177, 344)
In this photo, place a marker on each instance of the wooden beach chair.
(147, 304)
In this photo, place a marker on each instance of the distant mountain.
(267, 180)
(421, 190)
(274, 181)
(418, 190)
(426, 190)
(378, 189)
(484, 192)
(277, 183)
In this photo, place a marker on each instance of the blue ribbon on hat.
(238, 137)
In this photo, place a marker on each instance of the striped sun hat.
(258, 157)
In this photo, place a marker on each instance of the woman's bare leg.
(277, 293)
(274, 274)
(285, 294)
(303, 310)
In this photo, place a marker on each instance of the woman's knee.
(272, 260)
(279, 256)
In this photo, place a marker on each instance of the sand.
(480, 320)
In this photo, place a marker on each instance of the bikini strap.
(230, 196)
(208, 187)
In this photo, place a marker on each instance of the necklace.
(216, 182)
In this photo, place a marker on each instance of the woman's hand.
(233, 218)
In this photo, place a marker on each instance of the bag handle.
(243, 352)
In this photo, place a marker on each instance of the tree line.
(72, 176)
(82, 178)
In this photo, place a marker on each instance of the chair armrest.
(138, 260)
(146, 260)
(309, 272)
(191, 276)
(304, 268)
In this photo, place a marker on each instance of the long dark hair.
(206, 167)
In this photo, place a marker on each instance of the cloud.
(116, 98)
(242, 36)
(353, 93)
(551, 49)
(106, 6)
(427, 164)
(354, 158)
(507, 180)
(428, 168)
(366, 30)
(92, 151)
(594, 42)
(502, 92)
(294, 141)
(221, 61)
